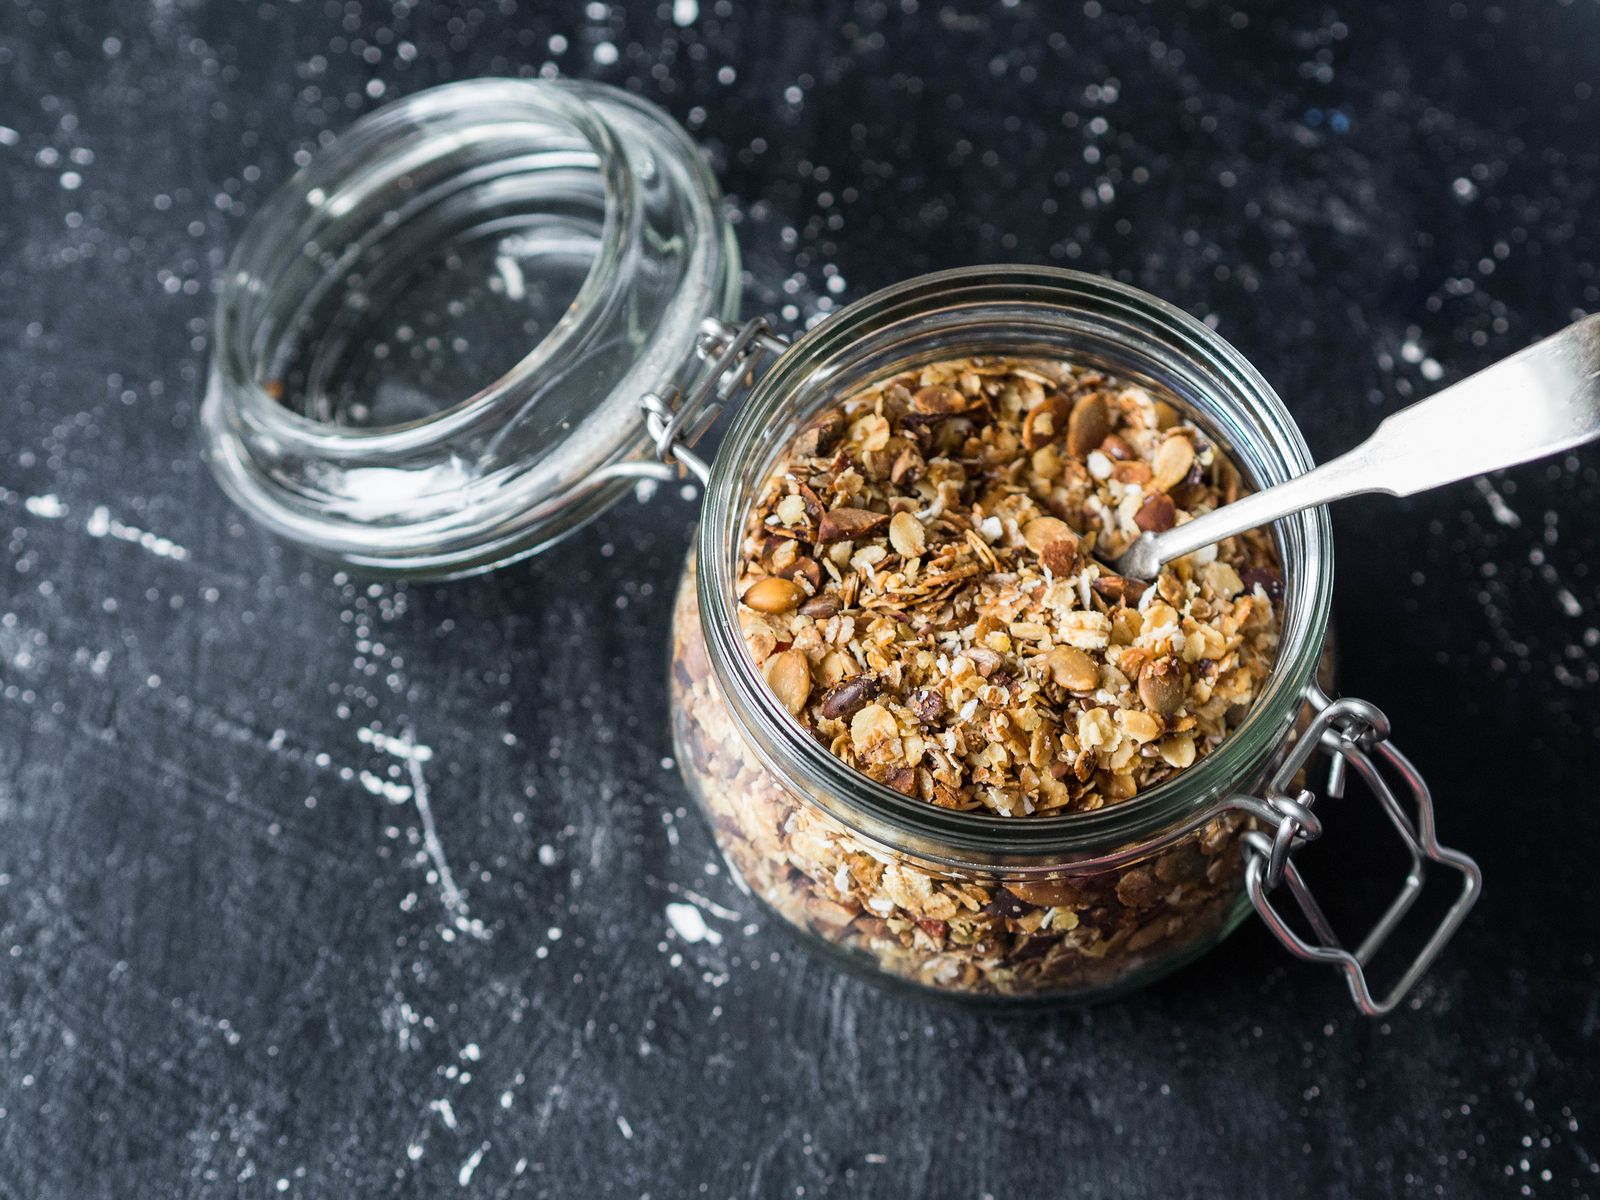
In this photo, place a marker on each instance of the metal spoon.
(1538, 402)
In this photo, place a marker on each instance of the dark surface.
(226, 964)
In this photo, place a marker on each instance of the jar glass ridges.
(432, 343)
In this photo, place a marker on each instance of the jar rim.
(878, 812)
(513, 465)
(336, 170)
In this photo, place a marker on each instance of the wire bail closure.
(1354, 734)
(676, 422)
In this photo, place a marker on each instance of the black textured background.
(227, 965)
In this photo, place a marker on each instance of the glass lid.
(432, 344)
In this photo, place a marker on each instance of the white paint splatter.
(454, 901)
(1498, 508)
(446, 1113)
(102, 524)
(464, 1176)
(47, 506)
(395, 793)
(686, 920)
(368, 736)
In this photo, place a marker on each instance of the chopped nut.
(844, 698)
(1118, 589)
(1072, 669)
(1269, 582)
(1089, 424)
(1046, 893)
(907, 535)
(773, 595)
(849, 524)
(1044, 422)
(939, 400)
(1041, 531)
(789, 676)
(1161, 686)
(803, 568)
(1173, 459)
(1060, 556)
(820, 607)
(928, 705)
(903, 780)
(1157, 514)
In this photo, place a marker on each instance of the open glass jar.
(579, 229)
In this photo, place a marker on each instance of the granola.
(1064, 931)
(922, 584)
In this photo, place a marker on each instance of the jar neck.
(1030, 312)
(603, 220)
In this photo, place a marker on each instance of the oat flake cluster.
(920, 583)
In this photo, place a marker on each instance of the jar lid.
(432, 343)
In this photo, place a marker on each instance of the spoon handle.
(1538, 402)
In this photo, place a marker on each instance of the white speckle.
(1569, 603)
(1498, 507)
(9, 136)
(605, 53)
(446, 1113)
(71, 181)
(875, 1159)
(464, 1176)
(102, 524)
(470, 1052)
(454, 901)
(395, 793)
(686, 920)
(553, 933)
(622, 1124)
(547, 856)
(376, 88)
(369, 736)
(46, 506)
(644, 491)
(414, 1151)
(684, 12)
(1464, 189)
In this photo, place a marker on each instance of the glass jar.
(582, 225)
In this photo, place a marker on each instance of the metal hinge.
(676, 421)
(1354, 734)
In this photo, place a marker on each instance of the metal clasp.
(1354, 734)
(676, 421)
